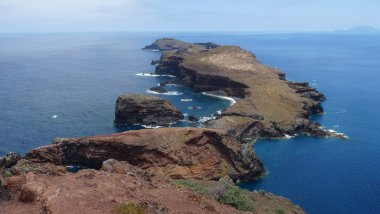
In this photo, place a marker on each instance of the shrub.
(225, 193)
(235, 197)
(193, 185)
(128, 208)
(280, 211)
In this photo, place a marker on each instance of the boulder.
(193, 118)
(158, 89)
(9, 160)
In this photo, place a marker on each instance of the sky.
(186, 15)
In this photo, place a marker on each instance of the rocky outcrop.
(158, 89)
(9, 160)
(154, 62)
(267, 104)
(174, 152)
(145, 110)
(25, 166)
(173, 44)
(193, 119)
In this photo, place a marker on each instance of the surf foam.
(232, 100)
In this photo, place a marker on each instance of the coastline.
(232, 100)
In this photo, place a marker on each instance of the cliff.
(167, 170)
(267, 104)
(173, 152)
(141, 109)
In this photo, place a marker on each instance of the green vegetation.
(193, 185)
(280, 211)
(5, 173)
(128, 208)
(224, 192)
(235, 197)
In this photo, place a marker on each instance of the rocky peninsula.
(268, 106)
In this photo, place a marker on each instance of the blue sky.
(186, 15)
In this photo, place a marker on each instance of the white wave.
(232, 100)
(287, 137)
(54, 116)
(204, 119)
(151, 126)
(219, 112)
(171, 85)
(153, 75)
(194, 108)
(333, 131)
(170, 93)
(186, 100)
(185, 114)
(338, 134)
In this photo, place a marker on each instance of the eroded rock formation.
(141, 109)
(174, 152)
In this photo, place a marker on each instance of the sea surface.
(65, 85)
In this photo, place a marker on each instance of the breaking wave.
(170, 93)
(186, 100)
(232, 100)
(153, 75)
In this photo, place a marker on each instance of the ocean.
(66, 84)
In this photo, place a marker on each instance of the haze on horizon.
(185, 15)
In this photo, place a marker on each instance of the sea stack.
(145, 110)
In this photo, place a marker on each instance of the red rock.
(174, 152)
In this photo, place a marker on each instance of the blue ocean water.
(65, 85)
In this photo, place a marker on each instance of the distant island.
(363, 29)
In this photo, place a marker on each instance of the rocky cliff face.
(267, 104)
(174, 152)
(145, 110)
(138, 171)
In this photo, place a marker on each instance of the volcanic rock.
(145, 110)
(158, 89)
(9, 160)
(173, 152)
(154, 62)
(193, 118)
